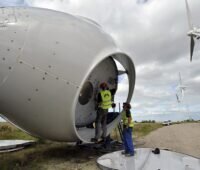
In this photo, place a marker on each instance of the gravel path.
(183, 138)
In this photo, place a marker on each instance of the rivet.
(43, 78)
(49, 66)
(57, 42)
(57, 78)
(45, 73)
(9, 68)
(12, 41)
(36, 89)
(3, 58)
(33, 68)
(29, 99)
(21, 62)
(67, 82)
(15, 32)
(8, 49)
(19, 48)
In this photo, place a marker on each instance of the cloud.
(13, 3)
(154, 33)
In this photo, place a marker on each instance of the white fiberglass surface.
(12, 143)
(145, 159)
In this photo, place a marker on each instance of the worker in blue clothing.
(127, 130)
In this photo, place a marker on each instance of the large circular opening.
(86, 108)
(86, 93)
(115, 70)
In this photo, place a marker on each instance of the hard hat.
(127, 105)
(103, 85)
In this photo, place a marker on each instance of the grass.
(186, 121)
(139, 130)
(44, 156)
(35, 157)
(143, 129)
(8, 131)
(43, 153)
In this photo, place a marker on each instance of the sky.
(154, 34)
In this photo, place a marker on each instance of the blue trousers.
(128, 141)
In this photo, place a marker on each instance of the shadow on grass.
(33, 157)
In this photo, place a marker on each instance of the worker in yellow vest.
(104, 102)
(127, 130)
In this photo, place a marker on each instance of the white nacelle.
(51, 64)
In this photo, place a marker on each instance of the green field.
(8, 131)
(36, 156)
(139, 130)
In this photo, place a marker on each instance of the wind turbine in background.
(193, 33)
(180, 90)
(141, 1)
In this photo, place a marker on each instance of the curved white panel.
(46, 58)
(144, 159)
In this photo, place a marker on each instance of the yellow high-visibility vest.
(106, 99)
(125, 119)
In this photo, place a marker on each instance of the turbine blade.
(182, 93)
(192, 43)
(180, 81)
(188, 15)
(177, 98)
(141, 1)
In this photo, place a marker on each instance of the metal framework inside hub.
(105, 71)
